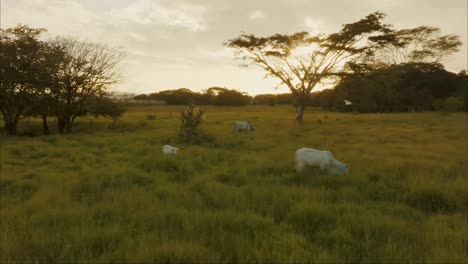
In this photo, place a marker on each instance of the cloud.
(257, 14)
(219, 53)
(68, 16)
(77, 16)
(147, 12)
(315, 26)
(137, 36)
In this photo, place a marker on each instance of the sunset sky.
(178, 43)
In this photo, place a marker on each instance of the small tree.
(85, 72)
(22, 56)
(106, 107)
(191, 118)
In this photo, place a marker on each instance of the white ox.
(318, 158)
(239, 126)
(169, 150)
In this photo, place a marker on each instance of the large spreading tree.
(302, 61)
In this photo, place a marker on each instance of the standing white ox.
(169, 150)
(239, 126)
(318, 158)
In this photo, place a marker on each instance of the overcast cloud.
(178, 43)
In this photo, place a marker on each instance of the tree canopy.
(421, 44)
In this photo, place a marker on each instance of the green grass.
(109, 194)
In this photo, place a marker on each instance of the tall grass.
(108, 194)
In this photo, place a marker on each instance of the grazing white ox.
(346, 102)
(169, 150)
(239, 126)
(318, 158)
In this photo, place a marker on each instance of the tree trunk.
(69, 125)
(65, 124)
(61, 124)
(72, 122)
(11, 126)
(45, 125)
(300, 112)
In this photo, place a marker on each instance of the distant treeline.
(215, 96)
(396, 88)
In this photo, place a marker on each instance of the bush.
(107, 107)
(191, 118)
(449, 104)
(150, 117)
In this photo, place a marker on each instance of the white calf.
(169, 150)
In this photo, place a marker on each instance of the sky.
(178, 43)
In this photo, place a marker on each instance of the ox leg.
(299, 166)
(323, 167)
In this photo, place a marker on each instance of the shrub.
(107, 107)
(150, 117)
(191, 118)
(449, 104)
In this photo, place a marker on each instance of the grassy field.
(109, 195)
